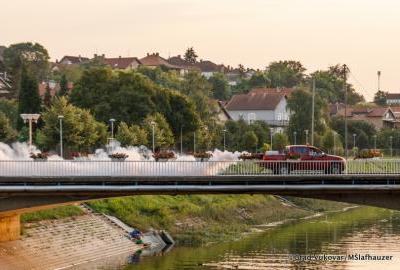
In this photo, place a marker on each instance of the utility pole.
(379, 80)
(313, 111)
(345, 109)
(181, 140)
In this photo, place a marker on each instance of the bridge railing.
(105, 168)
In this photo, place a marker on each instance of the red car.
(303, 158)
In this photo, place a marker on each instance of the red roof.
(121, 62)
(155, 60)
(255, 101)
(393, 96)
(284, 91)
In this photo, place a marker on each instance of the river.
(361, 230)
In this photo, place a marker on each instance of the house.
(154, 60)
(223, 114)
(208, 68)
(126, 63)
(53, 86)
(73, 60)
(393, 99)
(379, 117)
(5, 85)
(265, 104)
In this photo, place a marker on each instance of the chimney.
(119, 57)
(95, 55)
(148, 54)
(157, 54)
(5, 75)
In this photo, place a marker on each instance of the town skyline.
(230, 33)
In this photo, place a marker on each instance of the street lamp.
(152, 128)
(112, 120)
(295, 137)
(224, 138)
(181, 140)
(194, 142)
(29, 118)
(60, 118)
(391, 145)
(354, 140)
(271, 132)
(306, 132)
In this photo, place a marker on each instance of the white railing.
(54, 168)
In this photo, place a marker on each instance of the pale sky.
(364, 34)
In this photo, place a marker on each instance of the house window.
(279, 116)
(251, 117)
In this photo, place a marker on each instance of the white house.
(264, 104)
(393, 99)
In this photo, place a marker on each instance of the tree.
(63, 85)
(81, 132)
(190, 55)
(249, 141)
(280, 141)
(162, 132)
(29, 100)
(300, 105)
(7, 133)
(10, 109)
(33, 56)
(47, 96)
(380, 98)
(285, 73)
(329, 85)
(258, 79)
(220, 86)
(131, 135)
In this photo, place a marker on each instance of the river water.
(361, 231)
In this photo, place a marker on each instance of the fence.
(57, 168)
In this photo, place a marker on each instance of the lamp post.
(295, 137)
(354, 140)
(271, 132)
(224, 138)
(60, 118)
(30, 118)
(152, 128)
(181, 140)
(112, 120)
(391, 145)
(306, 132)
(194, 142)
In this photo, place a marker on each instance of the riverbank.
(204, 219)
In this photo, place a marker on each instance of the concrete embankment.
(80, 242)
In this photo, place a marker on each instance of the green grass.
(198, 219)
(55, 213)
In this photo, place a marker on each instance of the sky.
(364, 34)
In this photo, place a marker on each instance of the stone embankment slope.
(67, 243)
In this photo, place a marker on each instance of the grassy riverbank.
(197, 219)
(200, 219)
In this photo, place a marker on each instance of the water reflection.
(363, 230)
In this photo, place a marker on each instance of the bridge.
(27, 185)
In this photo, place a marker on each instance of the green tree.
(300, 106)
(29, 100)
(131, 135)
(33, 56)
(190, 55)
(47, 96)
(81, 132)
(328, 141)
(285, 73)
(220, 86)
(249, 141)
(10, 108)
(329, 85)
(380, 98)
(164, 137)
(280, 141)
(7, 133)
(63, 85)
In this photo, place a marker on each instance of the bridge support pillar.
(10, 227)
